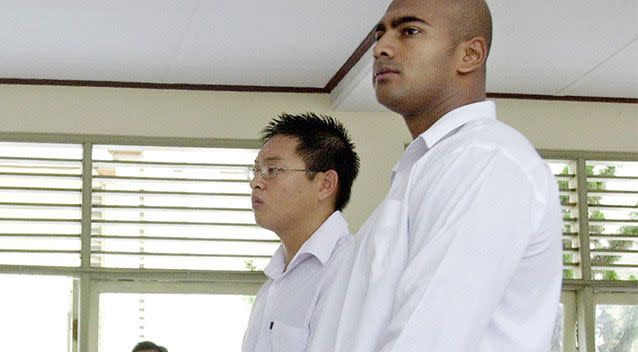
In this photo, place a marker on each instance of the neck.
(294, 236)
(421, 120)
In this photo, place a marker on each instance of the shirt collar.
(320, 245)
(456, 118)
(443, 127)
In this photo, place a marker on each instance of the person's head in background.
(148, 346)
(303, 173)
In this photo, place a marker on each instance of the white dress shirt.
(464, 254)
(285, 308)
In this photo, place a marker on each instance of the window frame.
(579, 296)
(586, 291)
(90, 281)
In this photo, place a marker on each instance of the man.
(148, 346)
(464, 254)
(301, 181)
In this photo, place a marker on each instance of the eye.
(270, 171)
(378, 35)
(410, 31)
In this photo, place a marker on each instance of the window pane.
(616, 328)
(175, 208)
(179, 322)
(612, 197)
(40, 204)
(557, 335)
(35, 313)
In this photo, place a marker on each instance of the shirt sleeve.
(470, 221)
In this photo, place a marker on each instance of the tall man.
(301, 181)
(464, 253)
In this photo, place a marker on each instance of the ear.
(472, 55)
(328, 184)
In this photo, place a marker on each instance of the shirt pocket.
(287, 338)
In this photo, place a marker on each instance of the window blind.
(600, 207)
(175, 208)
(40, 204)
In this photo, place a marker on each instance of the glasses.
(268, 172)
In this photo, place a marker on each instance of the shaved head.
(430, 58)
(467, 18)
(471, 18)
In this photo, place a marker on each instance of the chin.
(390, 101)
(260, 222)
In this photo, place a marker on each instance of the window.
(184, 317)
(35, 306)
(175, 208)
(616, 321)
(122, 233)
(599, 197)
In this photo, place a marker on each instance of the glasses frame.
(268, 172)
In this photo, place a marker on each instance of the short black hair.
(148, 345)
(324, 145)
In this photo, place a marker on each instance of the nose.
(384, 47)
(257, 182)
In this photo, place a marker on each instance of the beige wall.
(379, 136)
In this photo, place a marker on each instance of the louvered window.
(175, 208)
(612, 201)
(40, 204)
(600, 217)
(151, 207)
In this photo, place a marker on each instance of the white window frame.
(221, 285)
(91, 281)
(582, 295)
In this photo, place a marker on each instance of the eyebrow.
(399, 21)
(272, 158)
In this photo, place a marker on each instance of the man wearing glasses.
(300, 183)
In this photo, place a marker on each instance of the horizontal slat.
(615, 236)
(564, 176)
(150, 254)
(611, 206)
(28, 175)
(53, 160)
(37, 251)
(167, 164)
(185, 239)
(43, 189)
(74, 221)
(39, 205)
(170, 193)
(571, 265)
(166, 179)
(610, 192)
(38, 235)
(614, 251)
(146, 207)
(613, 266)
(606, 178)
(171, 223)
(613, 221)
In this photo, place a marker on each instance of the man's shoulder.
(487, 137)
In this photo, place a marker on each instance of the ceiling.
(541, 47)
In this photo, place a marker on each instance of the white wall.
(379, 136)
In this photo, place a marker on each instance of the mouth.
(256, 202)
(383, 73)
